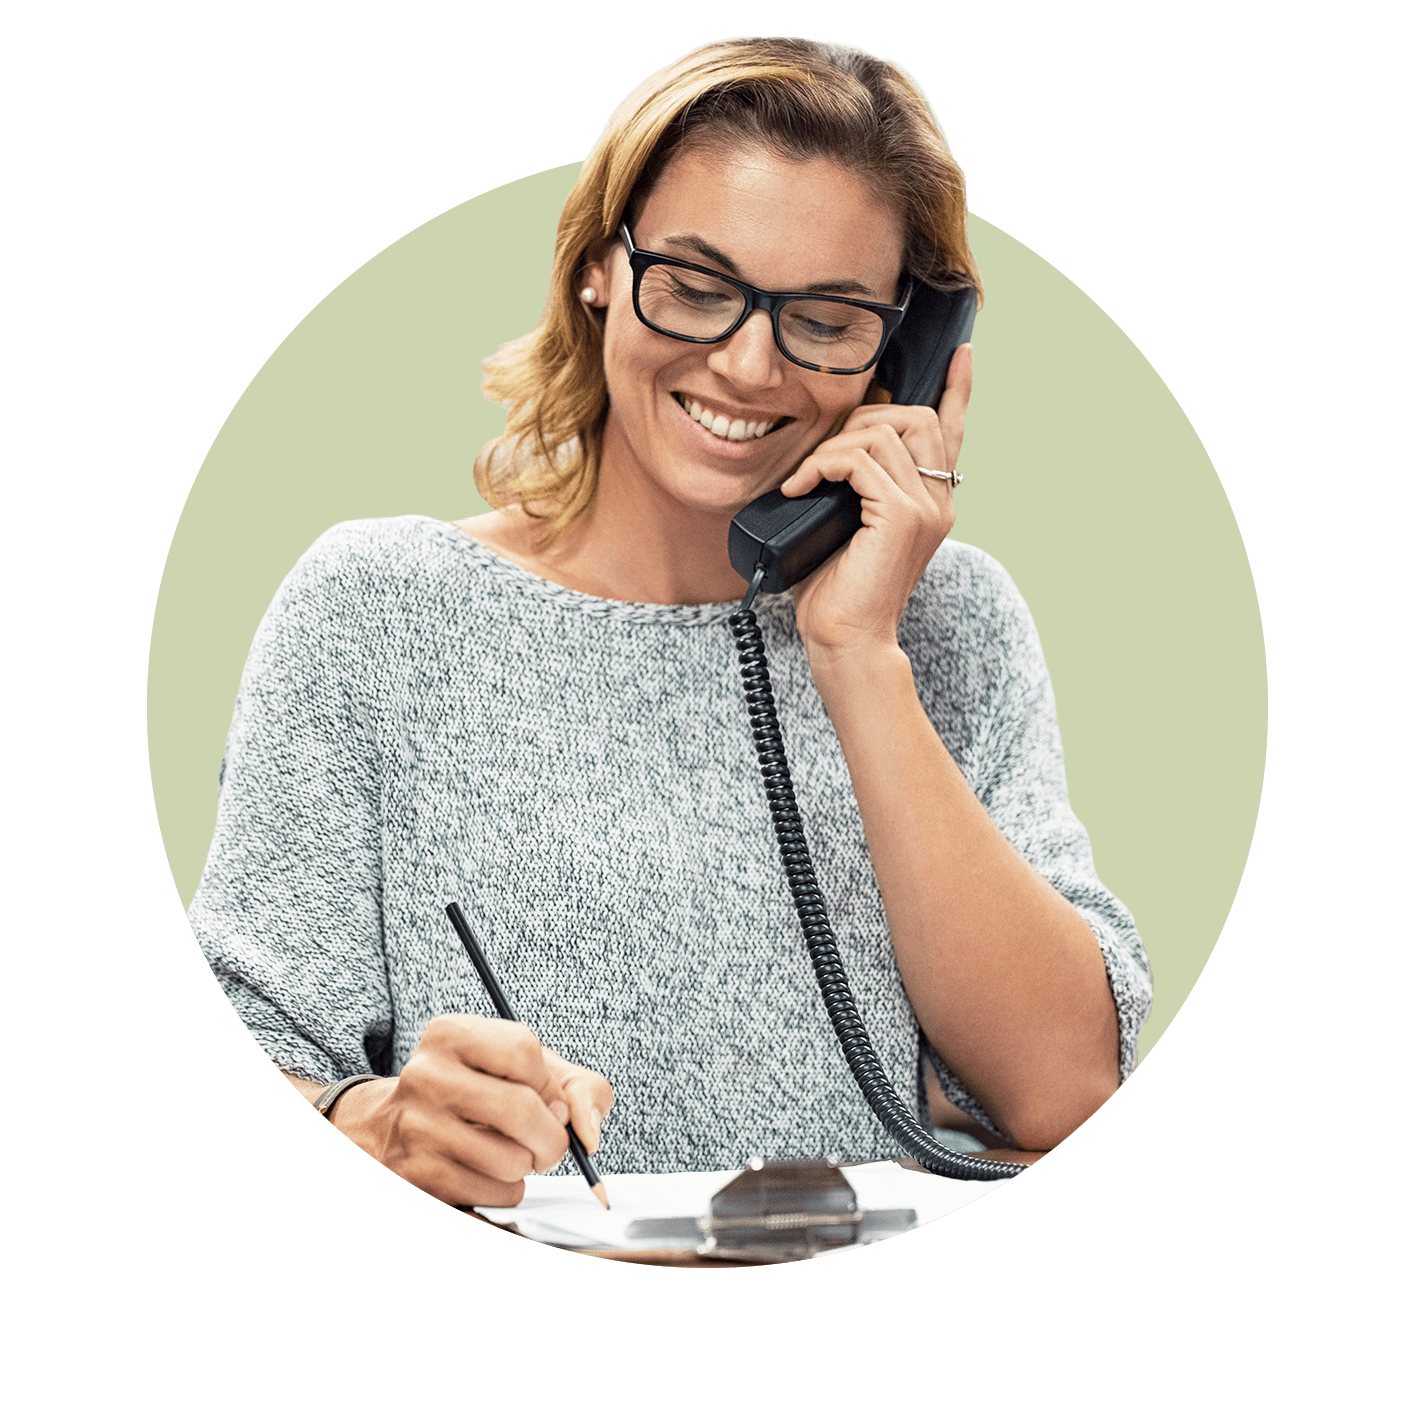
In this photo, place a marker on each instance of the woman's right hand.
(479, 1105)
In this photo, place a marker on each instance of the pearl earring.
(587, 295)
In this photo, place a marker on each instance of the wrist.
(329, 1097)
(352, 1111)
(844, 671)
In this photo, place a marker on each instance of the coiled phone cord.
(820, 938)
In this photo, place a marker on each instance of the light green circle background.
(1082, 476)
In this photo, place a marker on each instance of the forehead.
(784, 224)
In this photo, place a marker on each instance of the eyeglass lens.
(815, 331)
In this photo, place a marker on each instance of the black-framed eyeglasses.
(826, 333)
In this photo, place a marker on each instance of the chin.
(718, 492)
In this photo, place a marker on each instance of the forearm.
(1005, 976)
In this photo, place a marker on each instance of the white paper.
(561, 1210)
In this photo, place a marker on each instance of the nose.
(750, 357)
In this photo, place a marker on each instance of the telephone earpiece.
(788, 536)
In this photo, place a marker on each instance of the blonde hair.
(796, 97)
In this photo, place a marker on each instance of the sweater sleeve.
(289, 909)
(1011, 753)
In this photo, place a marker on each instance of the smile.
(729, 429)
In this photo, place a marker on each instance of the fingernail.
(560, 1111)
(596, 1120)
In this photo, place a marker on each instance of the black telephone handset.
(774, 542)
(791, 535)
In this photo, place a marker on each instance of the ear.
(595, 274)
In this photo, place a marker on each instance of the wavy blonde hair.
(799, 99)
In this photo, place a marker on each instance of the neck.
(640, 544)
(635, 543)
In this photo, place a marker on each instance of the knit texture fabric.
(421, 721)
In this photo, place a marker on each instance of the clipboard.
(770, 1211)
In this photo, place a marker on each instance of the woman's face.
(778, 225)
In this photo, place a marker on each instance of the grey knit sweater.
(420, 720)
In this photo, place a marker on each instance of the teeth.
(732, 431)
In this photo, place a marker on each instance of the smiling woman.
(668, 478)
(534, 710)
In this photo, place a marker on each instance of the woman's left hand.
(856, 599)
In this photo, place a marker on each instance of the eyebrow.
(710, 252)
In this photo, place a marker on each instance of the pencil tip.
(598, 1191)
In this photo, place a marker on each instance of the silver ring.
(952, 478)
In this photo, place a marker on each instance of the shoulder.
(978, 663)
(355, 582)
(370, 552)
(967, 595)
(358, 567)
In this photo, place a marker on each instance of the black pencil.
(503, 1009)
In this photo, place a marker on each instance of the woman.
(536, 711)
